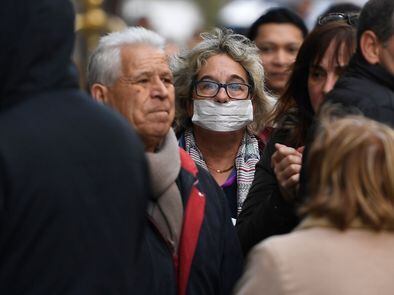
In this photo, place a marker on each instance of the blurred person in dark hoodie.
(73, 180)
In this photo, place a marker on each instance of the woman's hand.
(286, 162)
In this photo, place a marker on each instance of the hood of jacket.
(37, 38)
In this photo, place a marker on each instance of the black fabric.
(265, 212)
(73, 177)
(367, 88)
(37, 38)
(217, 263)
(157, 273)
(231, 193)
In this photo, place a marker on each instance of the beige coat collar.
(310, 222)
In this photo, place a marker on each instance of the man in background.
(278, 34)
(368, 83)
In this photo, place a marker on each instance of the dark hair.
(279, 16)
(344, 7)
(377, 16)
(296, 97)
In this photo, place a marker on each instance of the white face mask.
(223, 117)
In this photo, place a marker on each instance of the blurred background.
(179, 21)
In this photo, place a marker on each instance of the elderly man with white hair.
(190, 246)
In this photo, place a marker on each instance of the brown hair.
(296, 98)
(352, 173)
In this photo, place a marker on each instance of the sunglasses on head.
(349, 18)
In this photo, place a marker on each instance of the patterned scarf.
(245, 162)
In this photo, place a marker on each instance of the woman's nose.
(222, 96)
(330, 83)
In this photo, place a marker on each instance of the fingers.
(286, 162)
(289, 177)
(283, 152)
(301, 149)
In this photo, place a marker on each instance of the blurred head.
(320, 61)
(278, 34)
(129, 71)
(352, 173)
(375, 33)
(222, 57)
(325, 71)
(31, 66)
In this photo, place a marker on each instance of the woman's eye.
(317, 74)
(207, 86)
(234, 86)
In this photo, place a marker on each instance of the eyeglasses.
(210, 89)
(350, 18)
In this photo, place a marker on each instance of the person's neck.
(219, 149)
(152, 145)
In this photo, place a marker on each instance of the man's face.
(144, 92)
(386, 55)
(279, 45)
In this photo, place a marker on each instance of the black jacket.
(73, 178)
(265, 212)
(366, 88)
(217, 262)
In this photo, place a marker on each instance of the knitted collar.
(247, 157)
(166, 208)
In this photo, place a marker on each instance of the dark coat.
(217, 263)
(265, 212)
(73, 178)
(366, 88)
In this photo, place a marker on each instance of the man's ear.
(370, 47)
(99, 92)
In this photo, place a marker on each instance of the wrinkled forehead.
(222, 65)
(143, 57)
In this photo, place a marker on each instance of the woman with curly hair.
(221, 105)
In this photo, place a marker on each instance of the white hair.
(104, 64)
